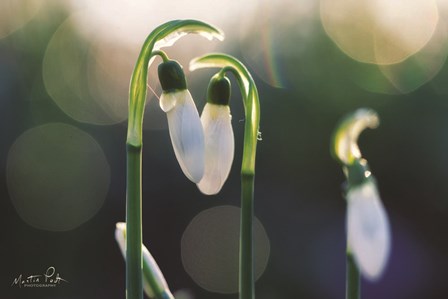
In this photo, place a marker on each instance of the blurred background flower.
(65, 68)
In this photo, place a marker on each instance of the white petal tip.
(208, 188)
(120, 236)
(121, 226)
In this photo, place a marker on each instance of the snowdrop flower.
(249, 95)
(218, 134)
(368, 232)
(184, 123)
(153, 280)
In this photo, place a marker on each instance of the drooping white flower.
(186, 132)
(368, 231)
(219, 147)
(152, 276)
(184, 123)
(219, 141)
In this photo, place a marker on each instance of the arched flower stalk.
(251, 134)
(163, 36)
(368, 233)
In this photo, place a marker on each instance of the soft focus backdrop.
(64, 73)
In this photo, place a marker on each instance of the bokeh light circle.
(70, 76)
(57, 177)
(131, 23)
(14, 14)
(270, 35)
(109, 69)
(410, 74)
(210, 249)
(421, 67)
(379, 31)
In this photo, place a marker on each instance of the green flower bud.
(358, 173)
(218, 90)
(171, 76)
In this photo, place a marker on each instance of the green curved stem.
(251, 132)
(345, 150)
(163, 36)
(161, 54)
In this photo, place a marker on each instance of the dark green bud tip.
(171, 76)
(218, 92)
(358, 173)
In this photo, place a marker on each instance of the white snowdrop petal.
(187, 136)
(219, 147)
(368, 230)
(168, 100)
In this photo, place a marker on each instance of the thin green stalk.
(252, 115)
(251, 134)
(247, 280)
(166, 34)
(353, 286)
(137, 101)
(134, 259)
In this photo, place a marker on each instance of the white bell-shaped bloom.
(368, 229)
(150, 267)
(186, 132)
(219, 147)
